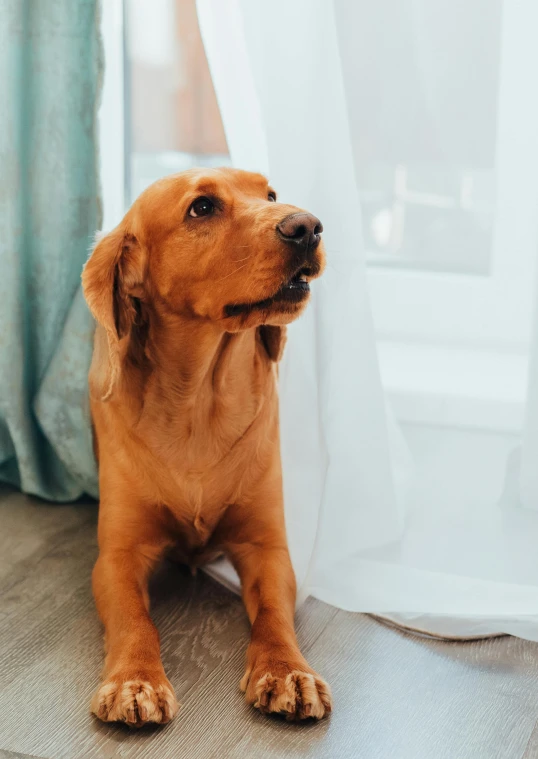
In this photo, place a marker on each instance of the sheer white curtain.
(441, 541)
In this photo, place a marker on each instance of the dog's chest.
(209, 451)
(205, 477)
(199, 503)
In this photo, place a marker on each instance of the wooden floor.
(396, 696)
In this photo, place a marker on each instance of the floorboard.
(396, 696)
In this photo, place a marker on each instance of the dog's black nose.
(303, 229)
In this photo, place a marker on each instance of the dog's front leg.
(135, 688)
(277, 677)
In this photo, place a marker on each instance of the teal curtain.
(50, 76)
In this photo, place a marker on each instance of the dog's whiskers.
(238, 260)
(232, 272)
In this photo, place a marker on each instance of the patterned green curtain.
(50, 75)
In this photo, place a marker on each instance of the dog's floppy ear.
(112, 278)
(273, 339)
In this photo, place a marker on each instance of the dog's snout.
(303, 229)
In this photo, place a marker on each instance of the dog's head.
(211, 244)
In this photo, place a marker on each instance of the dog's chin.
(284, 306)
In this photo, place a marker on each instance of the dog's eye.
(272, 197)
(201, 207)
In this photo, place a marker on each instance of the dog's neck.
(193, 355)
(199, 374)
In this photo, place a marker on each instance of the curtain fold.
(336, 448)
(50, 76)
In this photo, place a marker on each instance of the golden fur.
(191, 311)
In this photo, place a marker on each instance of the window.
(424, 114)
(159, 113)
(444, 132)
(172, 119)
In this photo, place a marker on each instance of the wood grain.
(396, 696)
(531, 750)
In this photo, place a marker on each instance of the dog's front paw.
(136, 702)
(292, 692)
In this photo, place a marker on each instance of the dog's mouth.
(294, 291)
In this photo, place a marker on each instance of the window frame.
(111, 117)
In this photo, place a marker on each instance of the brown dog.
(191, 293)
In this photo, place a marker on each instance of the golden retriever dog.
(191, 293)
